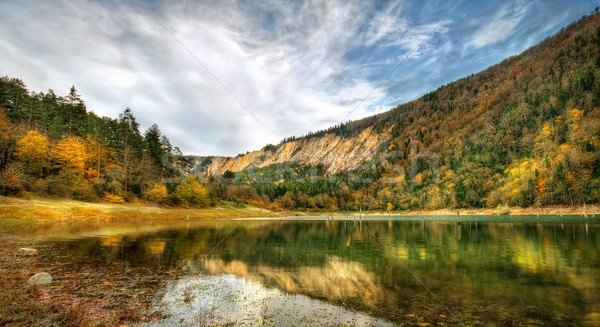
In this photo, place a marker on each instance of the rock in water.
(27, 251)
(42, 278)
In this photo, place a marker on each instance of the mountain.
(523, 132)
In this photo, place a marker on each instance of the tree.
(5, 131)
(158, 148)
(91, 175)
(12, 96)
(130, 143)
(33, 149)
(75, 112)
(70, 154)
(558, 190)
(520, 186)
(143, 174)
(153, 144)
(158, 193)
(389, 206)
(113, 179)
(97, 155)
(190, 192)
(576, 117)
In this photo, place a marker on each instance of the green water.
(401, 272)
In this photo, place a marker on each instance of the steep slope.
(505, 103)
(336, 152)
(523, 132)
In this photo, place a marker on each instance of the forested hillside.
(52, 145)
(525, 132)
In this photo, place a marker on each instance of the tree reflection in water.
(486, 273)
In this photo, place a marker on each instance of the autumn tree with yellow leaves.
(70, 155)
(190, 192)
(33, 150)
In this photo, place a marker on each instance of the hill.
(523, 132)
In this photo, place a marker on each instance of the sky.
(227, 77)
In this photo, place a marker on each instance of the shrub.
(502, 210)
(158, 193)
(84, 192)
(111, 198)
(10, 182)
(190, 192)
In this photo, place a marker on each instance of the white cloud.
(297, 66)
(495, 31)
(501, 24)
(284, 61)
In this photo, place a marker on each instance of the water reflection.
(491, 273)
(227, 300)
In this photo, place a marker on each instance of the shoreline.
(57, 209)
(591, 210)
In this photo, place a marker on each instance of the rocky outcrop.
(335, 152)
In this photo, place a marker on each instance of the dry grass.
(44, 209)
(53, 209)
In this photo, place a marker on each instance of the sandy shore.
(590, 210)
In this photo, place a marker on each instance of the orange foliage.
(158, 193)
(33, 146)
(419, 179)
(576, 116)
(541, 186)
(390, 207)
(91, 175)
(108, 197)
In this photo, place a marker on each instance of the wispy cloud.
(501, 24)
(298, 66)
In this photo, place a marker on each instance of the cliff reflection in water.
(490, 272)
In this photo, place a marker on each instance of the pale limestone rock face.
(337, 153)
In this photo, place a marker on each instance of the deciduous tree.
(189, 191)
(158, 193)
(70, 154)
(33, 150)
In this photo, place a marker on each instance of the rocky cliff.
(337, 153)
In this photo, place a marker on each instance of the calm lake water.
(385, 272)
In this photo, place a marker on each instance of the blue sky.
(273, 68)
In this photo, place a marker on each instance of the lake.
(376, 271)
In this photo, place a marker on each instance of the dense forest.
(525, 132)
(52, 145)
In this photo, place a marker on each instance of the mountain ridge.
(377, 125)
